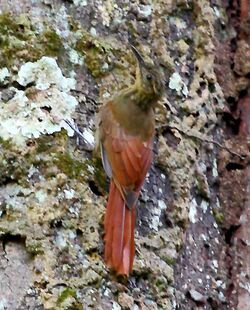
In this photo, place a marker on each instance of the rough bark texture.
(61, 59)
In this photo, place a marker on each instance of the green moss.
(94, 54)
(97, 53)
(50, 143)
(74, 304)
(218, 216)
(99, 177)
(161, 283)
(13, 167)
(51, 41)
(39, 153)
(3, 231)
(18, 27)
(20, 42)
(80, 170)
(169, 260)
(73, 24)
(99, 173)
(14, 35)
(5, 144)
(44, 143)
(35, 247)
(68, 292)
(69, 165)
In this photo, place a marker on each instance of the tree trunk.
(60, 60)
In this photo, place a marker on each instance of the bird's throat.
(141, 97)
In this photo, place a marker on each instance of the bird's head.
(149, 80)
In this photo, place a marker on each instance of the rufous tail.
(119, 224)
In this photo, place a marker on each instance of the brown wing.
(128, 156)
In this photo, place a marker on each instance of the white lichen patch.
(41, 196)
(43, 109)
(3, 304)
(80, 2)
(176, 83)
(116, 306)
(180, 24)
(155, 222)
(93, 31)
(61, 241)
(69, 194)
(75, 57)
(215, 169)
(44, 73)
(90, 169)
(106, 95)
(4, 73)
(193, 211)
(145, 10)
(110, 12)
(162, 205)
(204, 206)
(13, 197)
(245, 285)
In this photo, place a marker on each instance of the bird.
(126, 129)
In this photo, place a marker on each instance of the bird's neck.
(138, 96)
(134, 112)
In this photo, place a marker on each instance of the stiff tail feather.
(119, 224)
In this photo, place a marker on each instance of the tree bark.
(60, 60)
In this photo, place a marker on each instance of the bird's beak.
(137, 55)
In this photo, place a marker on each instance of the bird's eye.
(149, 77)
